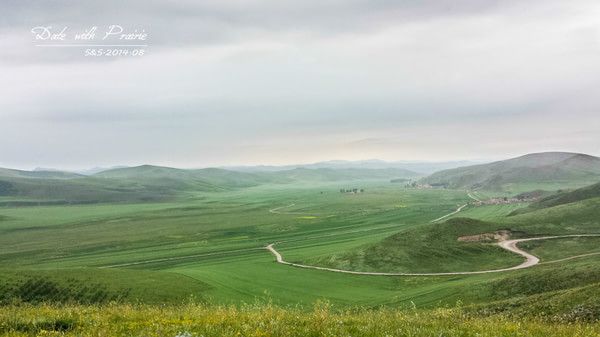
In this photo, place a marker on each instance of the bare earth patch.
(496, 236)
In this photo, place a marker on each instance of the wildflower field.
(267, 320)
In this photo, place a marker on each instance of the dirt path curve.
(276, 210)
(473, 196)
(460, 208)
(510, 245)
(449, 214)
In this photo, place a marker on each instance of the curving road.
(472, 196)
(460, 208)
(449, 214)
(510, 245)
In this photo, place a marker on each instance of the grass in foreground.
(266, 320)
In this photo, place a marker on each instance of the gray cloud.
(188, 23)
(256, 81)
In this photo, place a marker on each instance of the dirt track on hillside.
(509, 245)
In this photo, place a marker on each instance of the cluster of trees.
(352, 190)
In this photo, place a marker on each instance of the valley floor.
(209, 248)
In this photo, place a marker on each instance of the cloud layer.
(235, 82)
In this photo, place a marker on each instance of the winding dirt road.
(510, 245)
(449, 214)
(460, 208)
(472, 196)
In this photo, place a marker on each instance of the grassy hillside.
(153, 183)
(572, 218)
(435, 247)
(98, 286)
(550, 169)
(588, 192)
(427, 248)
(10, 173)
(211, 178)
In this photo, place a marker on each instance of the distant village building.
(504, 201)
(414, 184)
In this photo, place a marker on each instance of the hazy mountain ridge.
(531, 168)
(154, 183)
(149, 182)
(39, 174)
(240, 179)
(415, 166)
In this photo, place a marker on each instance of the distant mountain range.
(231, 178)
(546, 167)
(423, 168)
(153, 183)
(420, 167)
(150, 183)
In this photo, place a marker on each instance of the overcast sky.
(278, 82)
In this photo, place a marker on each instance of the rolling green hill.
(328, 174)
(548, 169)
(435, 247)
(561, 288)
(588, 192)
(226, 178)
(210, 179)
(22, 188)
(426, 249)
(92, 285)
(11, 173)
(154, 183)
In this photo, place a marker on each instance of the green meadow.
(198, 250)
(215, 241)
